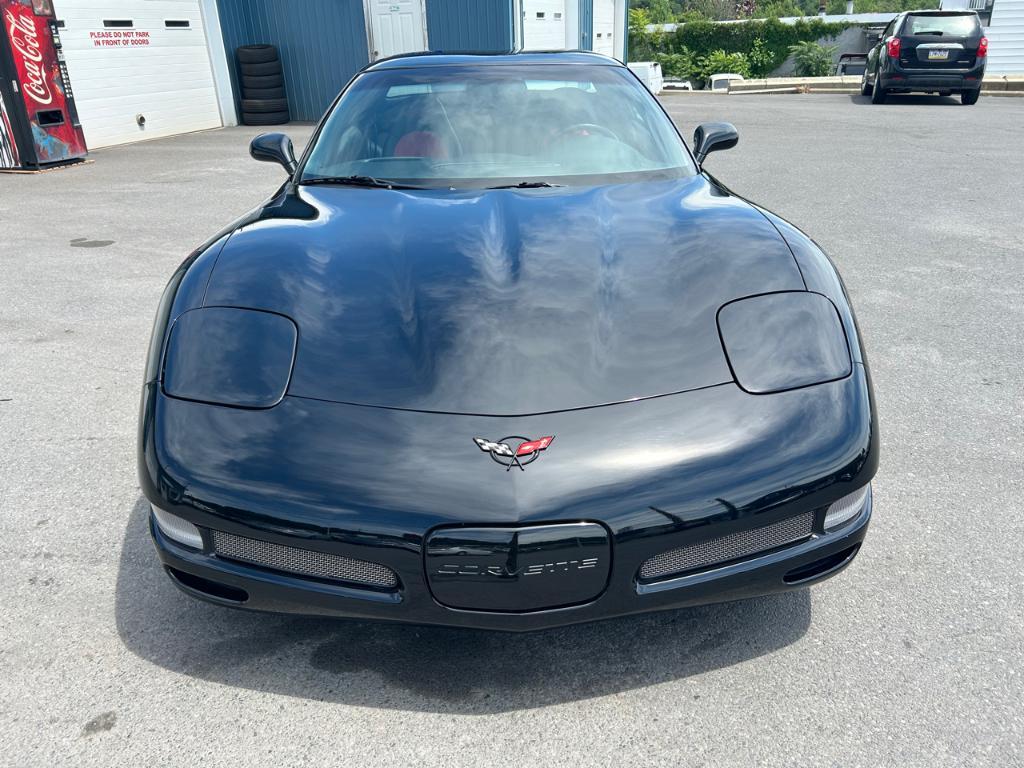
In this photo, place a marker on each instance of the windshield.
(496, 125)
(962, 25)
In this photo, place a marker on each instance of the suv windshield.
(950, 25)
(496, 125)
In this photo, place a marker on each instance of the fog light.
(843, 511)
(174, 527)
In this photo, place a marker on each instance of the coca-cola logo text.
(25, 39)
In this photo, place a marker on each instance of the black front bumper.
(647, 478)
(208, 577)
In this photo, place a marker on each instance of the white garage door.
(543, 25)
(604, 27)
(138, 57)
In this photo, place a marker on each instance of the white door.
(604, 27)
(543, 25)
(396, 26)
(135, 58)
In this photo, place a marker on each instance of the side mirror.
(712, 137)
(274, 148)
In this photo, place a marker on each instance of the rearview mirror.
(712, 137)
(274, 148)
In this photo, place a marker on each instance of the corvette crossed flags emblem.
(526, 452)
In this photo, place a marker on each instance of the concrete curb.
(1003, 84)
(1013, 83)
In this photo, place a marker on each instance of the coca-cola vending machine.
(38, 121)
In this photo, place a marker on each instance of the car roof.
(484, 58)
(942, 12)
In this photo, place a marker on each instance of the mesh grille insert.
(723, 549)
(303, 562)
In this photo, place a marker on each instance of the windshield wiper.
(527, 185)
(357, 181)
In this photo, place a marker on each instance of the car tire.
(263, 93)
(260, 83)
(253, 106)
(865, 86)
(970, 97)
(256, 54)
(877, 92)
(265, 118)
(261, 70)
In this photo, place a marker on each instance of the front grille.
(303, 562)
(723, 549)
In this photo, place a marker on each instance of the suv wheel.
(878, 92)
(970, 97)
(865, 86)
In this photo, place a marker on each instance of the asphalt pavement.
(912, 657)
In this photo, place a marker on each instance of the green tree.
(778, 9)
(638, 20)
(660, 11)
(716, 10)
(689, 17)
(880, 6)
(812, 59)
(762, 61)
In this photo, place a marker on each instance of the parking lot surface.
(913, 656)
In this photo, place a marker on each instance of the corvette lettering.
(526, 451)
(538, 569)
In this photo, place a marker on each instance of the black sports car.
(499, 353)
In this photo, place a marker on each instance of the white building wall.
(1006, 38)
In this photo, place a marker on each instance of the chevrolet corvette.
(501, 353)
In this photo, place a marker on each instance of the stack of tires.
(262, 80)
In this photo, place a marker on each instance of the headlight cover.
(780, 341)
(843, 511)
(230, 356)
(177, 528)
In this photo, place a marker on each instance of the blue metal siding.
(586, 25)
(322, 44)
(469, 25)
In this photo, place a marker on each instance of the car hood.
(504, 302)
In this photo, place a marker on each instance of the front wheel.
(970, 97)
(865, 86)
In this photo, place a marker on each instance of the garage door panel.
(185, 76)
(181, 106)
(148, 68)
(604, 27)
(543, 25)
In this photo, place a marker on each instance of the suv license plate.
(938, 55)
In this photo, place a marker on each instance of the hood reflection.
(506, 301)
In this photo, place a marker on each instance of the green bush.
(720, 61)
(812, 59)
(678, 66)
(764, 43)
